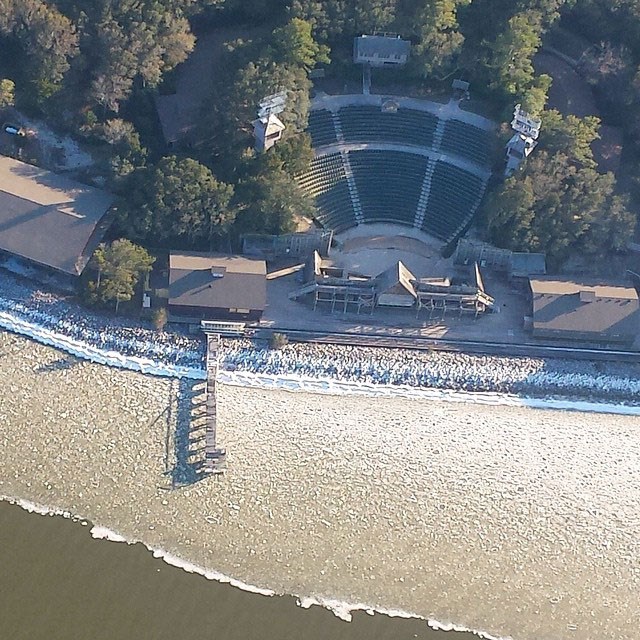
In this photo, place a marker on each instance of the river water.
(59, 583)
(517, 521)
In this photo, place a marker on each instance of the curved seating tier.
(465, 140)
(326, 181)
(388, 184)
(453, 198)
(321, 128)
(371, 124)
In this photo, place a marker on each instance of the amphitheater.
(403, 161)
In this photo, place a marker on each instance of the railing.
(224, 328)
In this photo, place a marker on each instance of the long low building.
(584, 310)
(49, 219)
(205, 286)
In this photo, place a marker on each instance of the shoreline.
(363, 521)
(342, 610)
(531, 379)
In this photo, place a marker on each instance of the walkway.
(449, 111)
(343, 147)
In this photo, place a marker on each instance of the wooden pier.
(215, 457)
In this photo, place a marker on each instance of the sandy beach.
(511, 520)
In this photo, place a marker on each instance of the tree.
(435, 26)
(7, 93)
(270, 203)
(120, 266)
(159, 317)
(510, 55)
(560, 208)
(534, 99)
(570, 135)
(293, 44)
(178, 199)
(48, 40)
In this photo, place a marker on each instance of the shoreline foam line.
(339, 608)
(331, 386)
(93, 354)
(294, 382)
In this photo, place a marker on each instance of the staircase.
(353, 190)
(337, 126)
(421, 209)
(438, 134)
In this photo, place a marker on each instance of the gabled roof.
(49, 219)
(383, 46)
(396, 277)
(217, 281)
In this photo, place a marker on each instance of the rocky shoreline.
(535, 377)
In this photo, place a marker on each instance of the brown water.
(57, 583)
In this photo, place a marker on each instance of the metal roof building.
(49, 219)
(584, 310)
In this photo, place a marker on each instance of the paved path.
(341, 147)
(449, 111)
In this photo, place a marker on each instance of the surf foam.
(341, 609)
(329, 386)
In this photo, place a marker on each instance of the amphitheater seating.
(388, 184)
(370, 124)
(326, 182)
(452, 200)
(467, 141)
(321, 128)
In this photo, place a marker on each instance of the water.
(59, 583)
(518, 521)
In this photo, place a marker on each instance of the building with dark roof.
(381, 50)
(48, 219)
(583, 310)
(205, 286)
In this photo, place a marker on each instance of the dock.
(215, 457)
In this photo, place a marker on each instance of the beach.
(506, 519)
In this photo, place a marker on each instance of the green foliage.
(559, 208)
(7, 93)
(177, 200)
(119, 267)
(293, 44)
(47, 39)
(271, 201)
(439, 42)
(511, 54)
(534, 99)
(570, 135)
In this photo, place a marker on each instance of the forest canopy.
(94, 67)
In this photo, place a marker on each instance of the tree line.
(93, 65)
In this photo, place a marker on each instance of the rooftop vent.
(587, 295)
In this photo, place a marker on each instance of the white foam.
(344, 611)
(94, 354)
(176, 561)
(339, 608)
(336, 387)
(102, 533)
